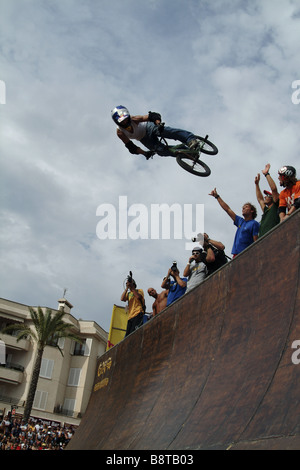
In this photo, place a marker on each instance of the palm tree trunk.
(33, 384)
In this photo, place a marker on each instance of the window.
(56, 342)
(82, 349)
(69, 405)
(40, 400)
(74, 377)
(46, 368)
(79, 349)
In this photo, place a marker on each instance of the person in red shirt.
(289, 198)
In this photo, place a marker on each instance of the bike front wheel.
(206, 146)
(192, 165)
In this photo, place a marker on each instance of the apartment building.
(65, 382)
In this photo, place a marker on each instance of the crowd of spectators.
(210, 255)
(15, 434)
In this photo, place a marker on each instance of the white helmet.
(119, 114)
(288, 171)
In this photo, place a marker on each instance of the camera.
(174, 266)
(199, 238)
(129, 277)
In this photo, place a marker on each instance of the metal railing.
(12, 365)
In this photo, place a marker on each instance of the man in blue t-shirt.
(247, 227)
(176, 287)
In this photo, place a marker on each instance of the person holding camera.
(176, 287)
(196, 270)
(136, 305)
(219, 251)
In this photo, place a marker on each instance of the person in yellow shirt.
(136, 305)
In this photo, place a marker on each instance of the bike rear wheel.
(206, 146)
(193, 165)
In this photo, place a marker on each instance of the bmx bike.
(189, 159)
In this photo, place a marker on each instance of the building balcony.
(11, 342)
(11, 373)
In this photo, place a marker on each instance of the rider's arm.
(134, 149)
(223, 204)
(151, 116)
(138, 119)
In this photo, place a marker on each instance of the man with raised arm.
(247, 227)
(268, 203)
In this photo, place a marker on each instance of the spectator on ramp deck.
(196, 269)
(247, 227)
(268, 203)
(218, 249)
(160, 300)
(136, 305)
(176, 287)
(289, 198)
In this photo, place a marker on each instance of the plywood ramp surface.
(214, 370)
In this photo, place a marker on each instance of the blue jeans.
(151, 139)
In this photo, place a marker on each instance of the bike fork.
(202, 144)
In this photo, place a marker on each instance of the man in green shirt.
(268, 203)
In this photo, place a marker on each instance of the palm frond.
(23, 331)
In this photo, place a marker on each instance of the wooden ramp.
(215, 370)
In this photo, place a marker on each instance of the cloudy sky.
(224, 68)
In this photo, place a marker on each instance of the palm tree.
(47, 329)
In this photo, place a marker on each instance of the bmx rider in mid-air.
(148, 130)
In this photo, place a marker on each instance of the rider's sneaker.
(194, 143)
